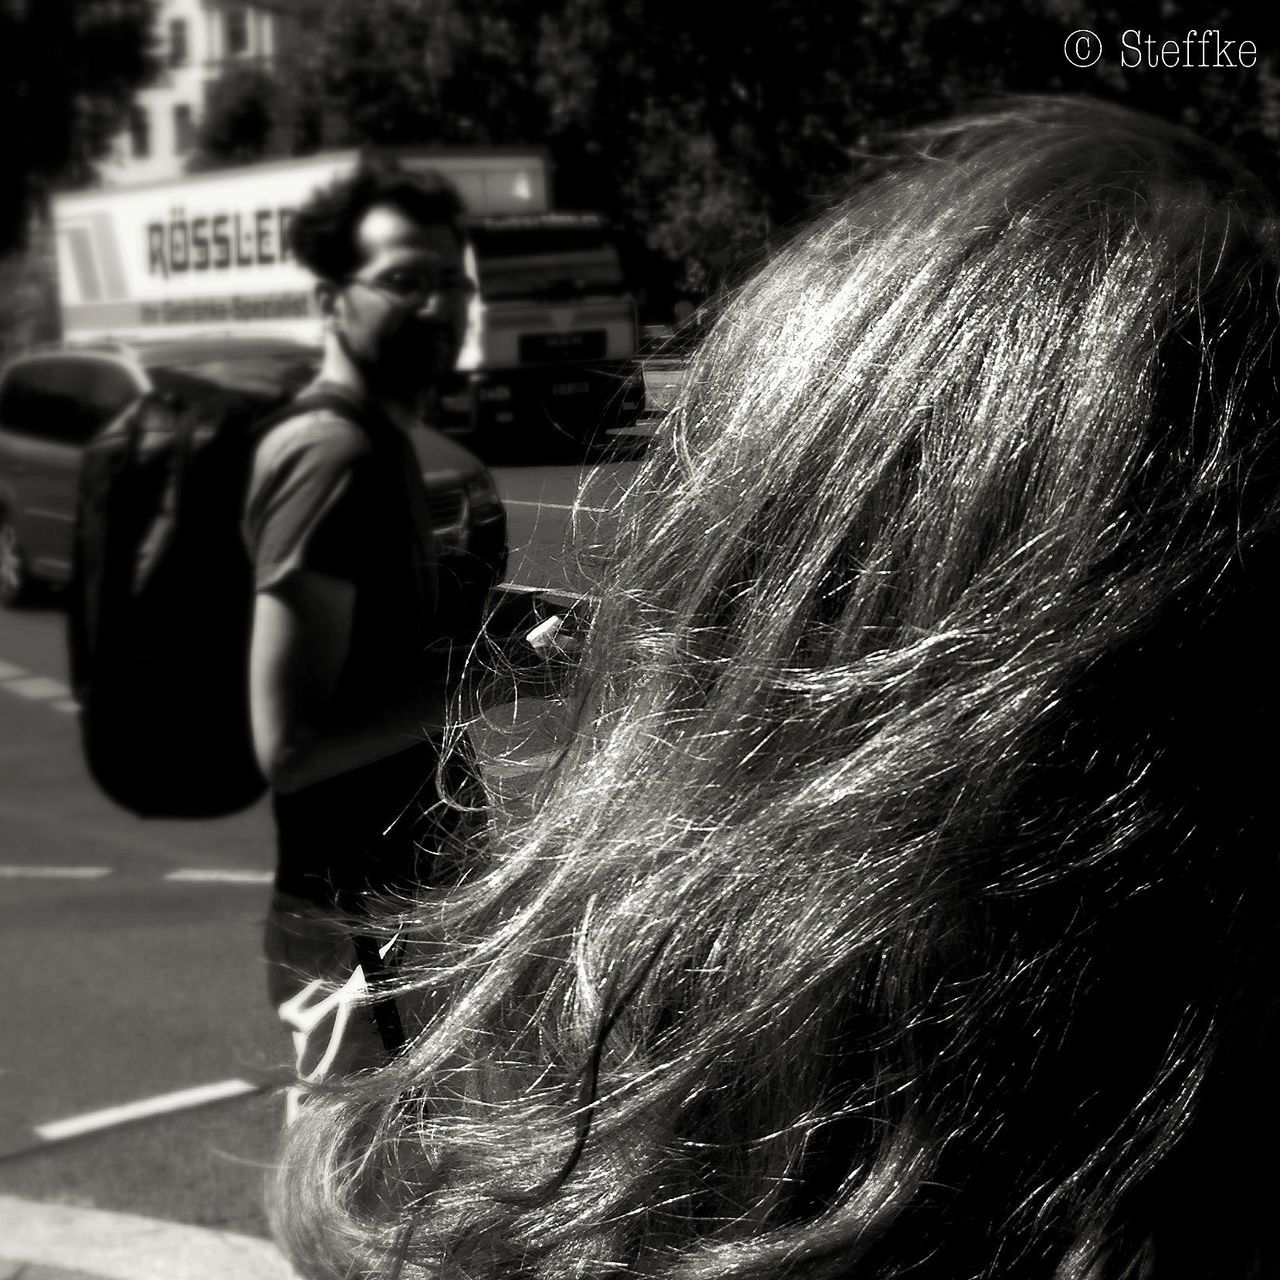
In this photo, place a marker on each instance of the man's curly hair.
(323, 233)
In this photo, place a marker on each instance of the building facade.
(196, 43)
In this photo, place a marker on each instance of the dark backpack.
(161, 600)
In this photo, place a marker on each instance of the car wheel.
(15, 577)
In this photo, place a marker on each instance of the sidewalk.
(60, 1242)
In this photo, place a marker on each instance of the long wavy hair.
(905, 902)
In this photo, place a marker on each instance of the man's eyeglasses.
(413, 288)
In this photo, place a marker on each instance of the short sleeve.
(307, 502)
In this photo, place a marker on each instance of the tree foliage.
(717, 134)
(439, 72)
(68, 71)
(708, 132)
(28, 287)
(242, 113)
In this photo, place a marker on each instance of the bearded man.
(348, 680)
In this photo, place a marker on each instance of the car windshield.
(267, 374)
(530, 262)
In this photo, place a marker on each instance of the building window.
(184, 129)
(178, 42)
(139, 133)
(237, 32)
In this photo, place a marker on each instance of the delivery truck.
(551, 336)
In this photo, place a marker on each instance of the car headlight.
(482, 492)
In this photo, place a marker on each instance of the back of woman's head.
(902, 903)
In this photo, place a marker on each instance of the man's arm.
(301, 635)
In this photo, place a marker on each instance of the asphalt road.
(130, 949)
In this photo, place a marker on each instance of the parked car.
(53, 401)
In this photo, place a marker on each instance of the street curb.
(124, 1246)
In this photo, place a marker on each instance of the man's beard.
(409, 360)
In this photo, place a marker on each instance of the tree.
(424, 72)
(243, 113)
(68, 72)
(28, 287)
(709, 133)
(714, 134)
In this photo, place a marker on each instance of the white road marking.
(191, 876)
(556, 506)
(125, 1246)
(197, 875)
(144, 1108)
(8, 671)
(642, 430)
(542, 760)
(39, 688)
(505, 776)
(53, 873)
(559, 593)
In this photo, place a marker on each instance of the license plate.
(570, 388)
(548, 348)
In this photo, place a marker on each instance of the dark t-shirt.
(346, 500)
